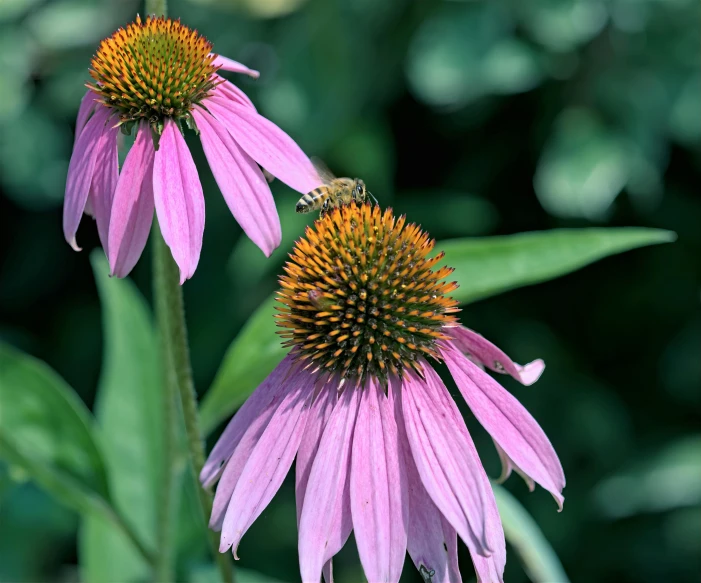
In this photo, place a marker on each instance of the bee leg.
(324, 208)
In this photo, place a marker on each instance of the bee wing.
(323, 170)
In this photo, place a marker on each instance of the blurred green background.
(473, 118)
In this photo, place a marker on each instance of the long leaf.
(531, 546)
(129, 413)
(46, 430)
(483, 267)
(488, 266)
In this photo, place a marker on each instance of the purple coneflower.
(152, 77)
(381, 447)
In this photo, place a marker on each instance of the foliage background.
(473, 118)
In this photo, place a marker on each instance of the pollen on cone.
(360, 296)
(152, 70)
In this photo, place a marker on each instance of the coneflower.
(381, 447)
(156, 78)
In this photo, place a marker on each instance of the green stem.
(170, 311)
(157, 7)
(169, 478)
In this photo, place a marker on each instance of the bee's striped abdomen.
(312, 200)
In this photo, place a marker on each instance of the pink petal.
(318, 416)
(104, 184)
(482, 351)
(87, 106)
(179, 200)
(508, 422)
(89, 207)
(440, 446)
(240, 438)
(267, 144)
(92, 140)
(325, 523)
(132, 207)
(269, 462)
(262, 399)
(227, 91)
(432, 542)
(427, 531)
(489, 569)
(234, 66)
(378, 489)
(241, 182)
(328, 571)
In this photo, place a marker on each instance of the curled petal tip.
(532, 371)
(234, 66)
(74, 244)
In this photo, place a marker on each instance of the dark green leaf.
(46, 430)
(488, 266)
(522, 532)
(129, 413)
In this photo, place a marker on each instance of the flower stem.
(164, 564)
(170, 312)
(157, 7)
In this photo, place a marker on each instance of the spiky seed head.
(153, 70)
(360, 296)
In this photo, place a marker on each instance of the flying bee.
(333, 193)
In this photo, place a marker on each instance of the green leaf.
(251, 356)
(488, 266)
(484, 267)
(129, 413)
(47, 432)
(522, 532)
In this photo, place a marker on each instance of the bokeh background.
(474, 118)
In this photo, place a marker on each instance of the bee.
(334, 192)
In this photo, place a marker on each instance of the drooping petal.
(132, 206)
(450, 537)
(241, 436)
(482, 351)
(234, 66)
(91, 141)
(328, 571)
(318, 416)
(227, 91)
(431, 542)
(444, 460)
(508, 422)
(489, 569)
(104, 184)
(268, 145)
(179, 200)
(261, 400)
(378, 489)
(89, 207)
(87, 106)
(245, 189)
(325, 523)
(269, 461)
